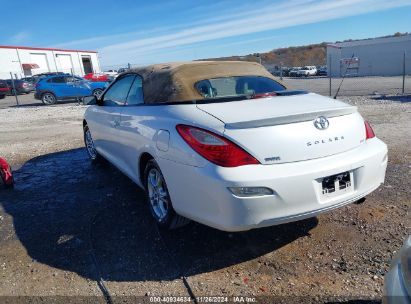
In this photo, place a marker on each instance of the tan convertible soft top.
(174, 82)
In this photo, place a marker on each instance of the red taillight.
(369, 132)
(215, 148)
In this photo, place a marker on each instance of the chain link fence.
(349, 78)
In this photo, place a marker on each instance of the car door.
(77, 87)
(106, 119)
(58, 86)
(134, 129)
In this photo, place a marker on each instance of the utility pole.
(403, 74)
(281, 70)
(329, 72)
(258, 55)
(14, 88)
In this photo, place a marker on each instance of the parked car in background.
(62, 87)
(286, 71)
(306, 71)
(397, 282)
(4, 89)
(30, 79)
(21, 86)
(210, 141)
(322, 71)
(96, 77)
(113, 73)
(294, 71)
(123, 70)
(281, 72)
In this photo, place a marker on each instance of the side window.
(135, 96)
(60, 79)
(117, 93)
(73, 79)
(70, 79)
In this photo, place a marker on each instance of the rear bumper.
(24, 90)
(202, 195)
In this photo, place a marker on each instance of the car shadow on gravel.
(398, 98)
(90, 219)
(39, 103)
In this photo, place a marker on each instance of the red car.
(6, 177)
(4, 89)
(96, 77)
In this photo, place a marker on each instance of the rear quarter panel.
(141, 125)
(139, 130)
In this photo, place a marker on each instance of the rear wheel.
(159, 199)
(2, 96)
(48, 98)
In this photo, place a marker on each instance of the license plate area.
(337, 184)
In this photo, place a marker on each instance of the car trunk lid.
(281, 129)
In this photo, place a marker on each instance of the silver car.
(397, 282)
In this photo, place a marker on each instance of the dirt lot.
(68, 226)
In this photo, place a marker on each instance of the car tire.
(90, 148)
(97, 92)
(48, 98)
(158, 199)
(2, 96)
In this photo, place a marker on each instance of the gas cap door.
(163, 139)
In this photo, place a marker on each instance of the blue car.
(63, 87)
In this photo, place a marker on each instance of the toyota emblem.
(321, 123)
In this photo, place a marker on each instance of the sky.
(146, 32)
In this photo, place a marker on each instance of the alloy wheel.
(48, 98)
(158, 194)
(90, 145)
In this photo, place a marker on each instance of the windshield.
(237, 86)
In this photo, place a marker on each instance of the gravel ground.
(68, 224)
(28, 132)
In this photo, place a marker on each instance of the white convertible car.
(227, 145)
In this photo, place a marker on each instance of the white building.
(25, 61)
(370, 57)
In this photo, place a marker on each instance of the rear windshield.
(237, 86)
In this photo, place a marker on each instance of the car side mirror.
(91, 100)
